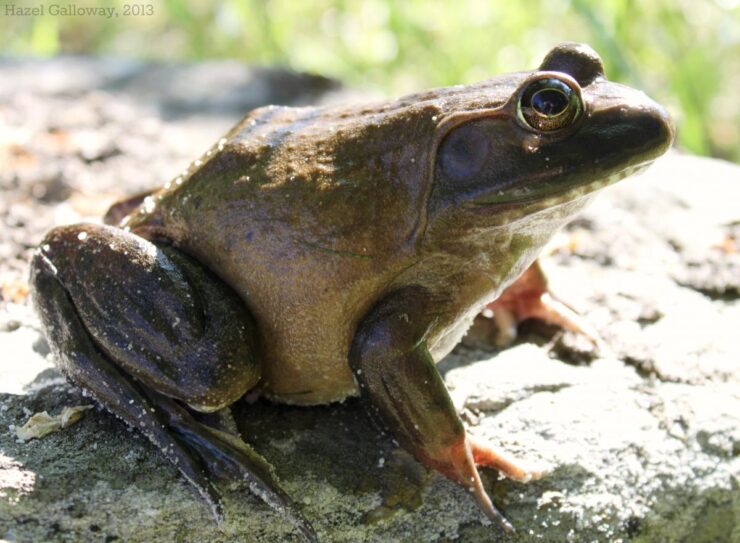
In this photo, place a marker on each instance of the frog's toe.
(457, 462)
(228, 458)
(529, 298)
(146, 331)
(485, 455)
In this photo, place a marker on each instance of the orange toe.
(485, 455)
(459, 465)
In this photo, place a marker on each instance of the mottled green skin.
(312, 215)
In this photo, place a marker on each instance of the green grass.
(684, 53)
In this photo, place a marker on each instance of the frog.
(319, 253)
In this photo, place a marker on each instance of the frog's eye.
(549, 104)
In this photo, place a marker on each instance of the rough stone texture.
(641, 438)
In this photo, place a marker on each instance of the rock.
(641, 439)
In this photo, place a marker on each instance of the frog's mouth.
(554, 190)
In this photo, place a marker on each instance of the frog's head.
(531, 157)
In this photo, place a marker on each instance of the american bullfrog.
(318, 253)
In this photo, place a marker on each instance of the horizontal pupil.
(549, 102)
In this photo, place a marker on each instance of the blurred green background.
(684, 53)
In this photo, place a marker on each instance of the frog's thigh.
(138, 326)
(157, 313)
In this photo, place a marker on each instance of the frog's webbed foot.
(529, 298)
(155, 339)
(407, 396)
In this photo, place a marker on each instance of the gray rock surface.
(641, 438)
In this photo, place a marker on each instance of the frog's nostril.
(578, 60)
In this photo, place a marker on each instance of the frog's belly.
(308, 380)
(334, 382)
(305, 359)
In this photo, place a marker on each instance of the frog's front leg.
(156, 339)
(406, 394)
(529, 297)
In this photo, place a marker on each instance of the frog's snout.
(643, 125)
(668, 127)
(657, 128)
(625, 127)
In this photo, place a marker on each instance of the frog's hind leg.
(155, 338)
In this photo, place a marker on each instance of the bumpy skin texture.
(349, 250)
